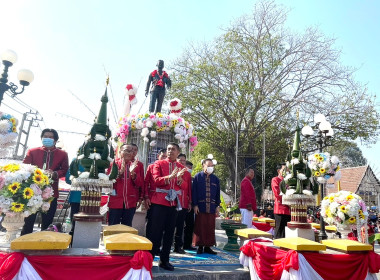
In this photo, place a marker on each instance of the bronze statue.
(158, 78)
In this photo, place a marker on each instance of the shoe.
(179, 251)
(191, 248)
(200, 250)
(166, 266)
(208, 250)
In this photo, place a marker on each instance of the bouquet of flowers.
(323, 166)
(344, 209)
(8, 132)
(24, 189)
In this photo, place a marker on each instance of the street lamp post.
(25, 76)
(324, 132)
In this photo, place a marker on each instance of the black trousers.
(121, 216)
(163, 224)
(281, 221)
(148, 220)
(75, 206)
(47, 219)
(178, 236)
(156, 95)
(188, 230)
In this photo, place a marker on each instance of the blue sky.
(68, 44)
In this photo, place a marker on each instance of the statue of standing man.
(158, 78)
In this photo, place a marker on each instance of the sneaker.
(166, 266)
(208, 250)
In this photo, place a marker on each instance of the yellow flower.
(350, 197)
(38, 171)
(133, 126)
(13, 188)
(14, 129)
(11, 167)
(360, 212)
(17, 207)
(317, 173)
(320, 158)
(328, 212)
(13, 121)
(326, 198)
(343, 208)
(316, 155)
(28, 193)
(322, 170)
(331, 198)
(46, 179)
(159, 115)
(38, 179)
(352, 220)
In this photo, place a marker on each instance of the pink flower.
(36, 189)
(159, 123)
(47, 193)
(2, 182)
(45, 206)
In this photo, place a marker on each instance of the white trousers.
(246, 217)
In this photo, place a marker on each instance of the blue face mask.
(47, 142)
(190, 170)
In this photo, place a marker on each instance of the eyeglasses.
(127, 151)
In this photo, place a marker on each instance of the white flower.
(103, 176)
(149, 123)
(307, 192)
(182, 145)
(81, 156)
(177, 136)
(109, 159)
(290, 192)
(45, 206)
(301, 176)
(288, 176)
(26, 213)
(341, 216)
(144, 132)
(84, 175)
(99, 137)
(321, 180)
(94, 156)
(295, 161)
(326, 165)
(153, 134)
(153, 143)
(146, 139)
(334, 160)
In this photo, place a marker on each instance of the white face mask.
(210, 169)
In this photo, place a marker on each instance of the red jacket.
(127, 191)
(279, 208)
(162, 169)
(148, 183)
(247, 195)
(53, 159)
(140, 183)
(185, 196)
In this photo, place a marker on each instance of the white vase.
(12, 224)
(344, 232)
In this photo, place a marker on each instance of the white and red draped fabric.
(269, 263)
(264, 227)
(17, 266)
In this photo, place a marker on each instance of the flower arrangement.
(343, 209)
(8, 132)
(151, 124)
(323, 166)
(24, 189)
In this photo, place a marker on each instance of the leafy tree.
(255, 76)
(348, 153)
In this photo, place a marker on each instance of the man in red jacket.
(149, 191)
(281, 211)
(167, 176)
(55, 161)
(247, 203)
(123, 200)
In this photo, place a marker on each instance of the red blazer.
(127, 191)
(279, 208)
(53, 159)
(185, 197)
(140, 183)
(148, 183)
(247, 194)
(160, 172)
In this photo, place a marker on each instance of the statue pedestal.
(87, 230)
(306, 233)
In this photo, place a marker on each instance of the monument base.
(87, 230)
(306, 233)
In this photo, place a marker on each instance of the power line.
(11, 108)
(84, 104)
(73, 118)
(73, 132)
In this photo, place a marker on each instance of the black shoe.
(200, 250)
(179, 251)
(166, 266)
(208, 250)
(190, 248)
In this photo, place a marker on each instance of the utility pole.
(29, 119)
(263, 169)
